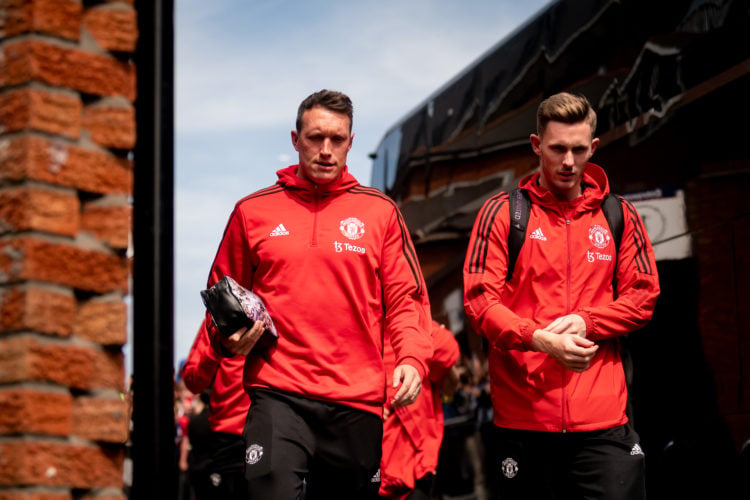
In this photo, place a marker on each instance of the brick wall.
(717, 208)
(67, 129)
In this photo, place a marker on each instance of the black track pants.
(291, 441)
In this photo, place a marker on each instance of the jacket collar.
(595, 188)
(307, 189)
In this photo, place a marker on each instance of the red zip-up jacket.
(337, 271)
(566, 265)
(204, 368)
(412, 435)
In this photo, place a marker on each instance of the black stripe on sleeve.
(639, 239)
(485, 221)
(407, 247)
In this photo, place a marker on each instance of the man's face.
(563, 150)
(322, 143)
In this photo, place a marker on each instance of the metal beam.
(154, 452)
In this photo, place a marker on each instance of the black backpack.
(520, 206)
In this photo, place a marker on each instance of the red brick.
(27, 359)
(28, 258)
(114, 27)
(56, 17)
(110, 370)
(100, 419)
(102, 322)
(98, 74)
(59, 464)
(25, 411)
(111, 124)
(98, 467)
(25, 208)
(24, 358)
(17, 17)
(109, 223)
(37, 309)
(36, 158)
(53, 112)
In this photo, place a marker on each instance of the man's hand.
(241, 342)
(571, 323)
(451, 381)
(411, 384)
(387, 411)
(570, 350)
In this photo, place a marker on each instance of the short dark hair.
(329, 99)
(567, 108)
(205, 396)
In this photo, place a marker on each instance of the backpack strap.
(519, 206)
(612, 208)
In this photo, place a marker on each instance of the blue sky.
(242, 67)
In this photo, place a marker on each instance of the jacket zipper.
(316, 198)
(567, 311)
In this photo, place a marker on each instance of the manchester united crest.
(253, 454)
(352, 228)
(598, 236)
(509, 468)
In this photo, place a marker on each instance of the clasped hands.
(565, 340)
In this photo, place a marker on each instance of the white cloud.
(388, 55)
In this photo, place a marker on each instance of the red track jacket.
(229, 401)
(337, 271)
(412, 435)
(566, 265)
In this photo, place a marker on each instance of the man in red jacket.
(556, 373)
(335, 266)
(228, 405)
(412, 434)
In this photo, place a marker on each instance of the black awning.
(628, 57)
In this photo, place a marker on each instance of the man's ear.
(295, 138)
(594, 145)
(351, 141)
(536, 142)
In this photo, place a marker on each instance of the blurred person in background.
(222, 457)
(412, 434)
